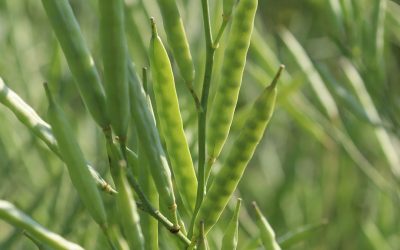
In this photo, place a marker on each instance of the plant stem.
(225, 21)
(146, 206)
(210, 51)
(195, 98)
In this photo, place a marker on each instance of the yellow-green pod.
(233, 64)
(267, 234)
(114, 51)
(227, 179)
(151, 144)
(230, 240)
(126, 206)
(12, 215)
(79, 60)
(28, 116)
(75, 161)
(177, 40)
(171, 121)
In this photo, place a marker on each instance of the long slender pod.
(114, 51)
(230, 240)
(149, 224)
(12, 215)
(227, 93)
(152, 148)
(127, 211)
(228, 177)
(171, 120)
(28, 116)
(79, 60)
(267, 234)
(177, 40)
(75, 161)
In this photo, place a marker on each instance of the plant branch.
(146, 206)
(210, 51)
(225, 21)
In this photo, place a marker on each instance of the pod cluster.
(152, 157)
(228, 177)
(226, 97)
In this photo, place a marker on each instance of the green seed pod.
(177, 40)
(114, 50)
(126, 206)
(228, 177)
(149, 224)
(230, 240)
(233, 64)
(73, 158)
(28, 116)
(171, 120)
(78, 58)
(266, 232)
(151, 144)
(12, 215)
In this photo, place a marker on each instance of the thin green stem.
(195, 97)
(206, 21)
(146, 206)
(210, 51)
(225, 22)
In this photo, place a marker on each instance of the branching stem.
(210, 51)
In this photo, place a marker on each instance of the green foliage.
(326, 175)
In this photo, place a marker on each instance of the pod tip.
(277, 76)
(254, 204)
(153, 26)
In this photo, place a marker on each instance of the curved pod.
(227, 179)
(267, 234)
(171, 120)
(126, 206)
(177, 40)
(75, 161)
(79, 60)
(233, 64)
(12, 215)
(114, 51)
(151, 144)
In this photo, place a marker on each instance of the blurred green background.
(330, 154)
